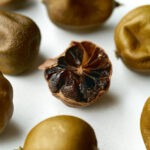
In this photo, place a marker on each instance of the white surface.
(115, 118)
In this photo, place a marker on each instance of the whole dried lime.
(61, 133)
(145, 124)
(77, 14)
(132, 38)
(5, 2)
(12, 4)
(80, 75)
(6, 104)
(19, 42)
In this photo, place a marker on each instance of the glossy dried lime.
(132, 38)
(76, 14)
(61, 133)
(6, 104)
(145, 124)
(19, 42)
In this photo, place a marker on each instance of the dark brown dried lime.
(6, 102)
(80, 75)
(19, 43)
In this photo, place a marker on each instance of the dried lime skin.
(61, 133)
(5, 2)
(80, 75)
(132, 38)
(19, 42)
(79, 13)
(6, 104)
(12, 4)
(145, 124)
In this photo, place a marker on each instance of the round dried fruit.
(61, 133)
(5, 2)
(19, 42)
(76, 14)
(80, 75)
(145, 124)
(6, 104)
(12, 4)
(132, 37)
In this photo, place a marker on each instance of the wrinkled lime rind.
(132, 39)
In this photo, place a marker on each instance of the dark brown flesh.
(81, 73)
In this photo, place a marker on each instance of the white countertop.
(115, 118)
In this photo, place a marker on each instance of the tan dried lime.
(19, 42)
(145, 124)
(79, 14)
(61, 133)
(132, 38)
(6, 104)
